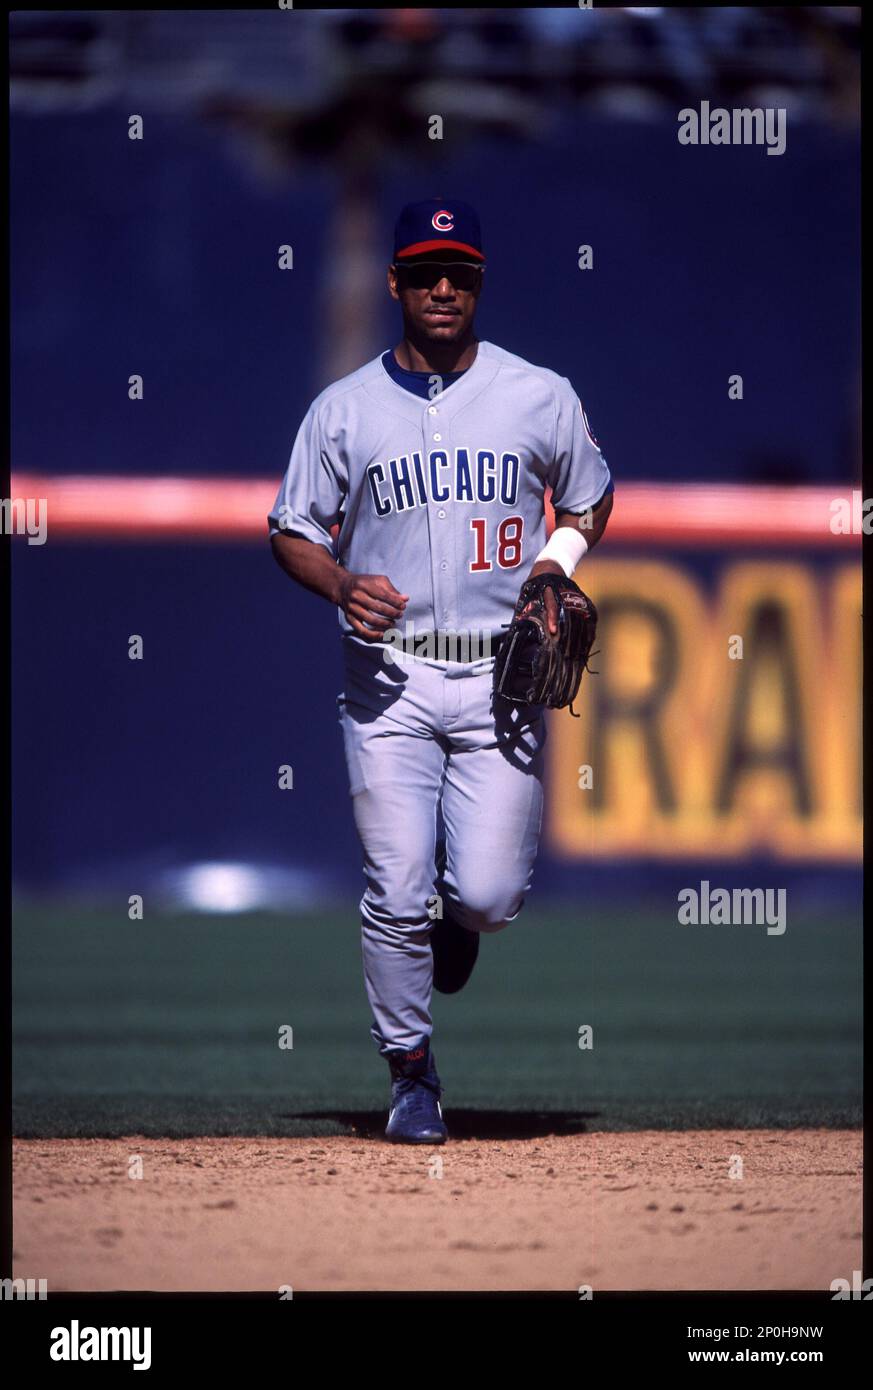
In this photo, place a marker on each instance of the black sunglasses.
(423, 275)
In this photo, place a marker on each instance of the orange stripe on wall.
(672, 515)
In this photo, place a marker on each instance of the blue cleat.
(415, 1116)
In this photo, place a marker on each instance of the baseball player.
(433, 461)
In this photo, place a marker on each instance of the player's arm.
(370, 601)
(577, 470)
(590, 526)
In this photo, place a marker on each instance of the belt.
(443, 645)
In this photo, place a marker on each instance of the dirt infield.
(648, 1210)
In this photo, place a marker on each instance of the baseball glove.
(531, 666)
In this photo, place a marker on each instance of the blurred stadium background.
(159, 257)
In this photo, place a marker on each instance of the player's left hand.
(546, 647)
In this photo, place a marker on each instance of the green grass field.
(169, 1026)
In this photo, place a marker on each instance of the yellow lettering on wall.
(699, 745)
(766, 770)
(841, 676)
(639, 727)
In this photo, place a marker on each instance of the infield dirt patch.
(645, 1211)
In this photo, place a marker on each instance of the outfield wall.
(722, 726)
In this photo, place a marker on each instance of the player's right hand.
(372, 604)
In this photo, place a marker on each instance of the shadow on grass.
(464, 1124)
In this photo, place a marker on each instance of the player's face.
(437, 295)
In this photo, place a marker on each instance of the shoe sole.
(408, 1139)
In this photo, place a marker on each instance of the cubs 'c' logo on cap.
(442, 221)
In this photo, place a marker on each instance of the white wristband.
(566, 546)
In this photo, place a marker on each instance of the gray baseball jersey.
(445, 496)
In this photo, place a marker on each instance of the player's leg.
(492, 807)
(395, 805)
(396, 774)
(395, 759)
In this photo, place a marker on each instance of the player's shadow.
(519, 733)
(465, 1124)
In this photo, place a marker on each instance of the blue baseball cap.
(438, 224)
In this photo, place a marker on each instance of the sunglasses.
(423, 275)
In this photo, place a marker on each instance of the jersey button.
(444, 564)
(431, 410)
(440, 513)
(437, 437)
